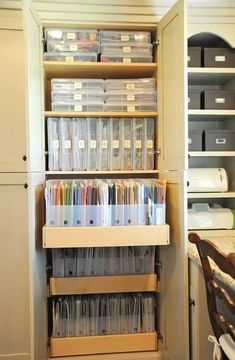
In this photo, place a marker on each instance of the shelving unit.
(201, 78)
(112, 236)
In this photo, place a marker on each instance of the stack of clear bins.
(72, 45)
(130, 95)
(77, 95)
(126, 46)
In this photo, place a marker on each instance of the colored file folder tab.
(103, 314)
(108, 202)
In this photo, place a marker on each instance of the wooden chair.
(224, 331)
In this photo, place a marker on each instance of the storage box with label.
(194, 57)
(219, 57)
(218, 99)
(195, 140)
(194, 99)
(219, 140)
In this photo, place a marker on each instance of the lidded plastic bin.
(73, 46)
(70, 56)
(85, 95)
(128, 95)
(71, 34)
(125, 36)
(77, 84)
(126, 58)
(129, 84)
(126, 48)
(77, 106)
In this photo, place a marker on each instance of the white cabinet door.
(13, 146)
(14, 269)
(172, 89)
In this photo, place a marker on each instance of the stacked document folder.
(103, 261)
(100, 144)
(103, 314)
(99, 202)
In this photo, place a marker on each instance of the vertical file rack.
(72, 237)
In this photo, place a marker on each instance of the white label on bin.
(81, 144)
(130, 86)
(126, 60)
(126, 49)
(115, 144)
(77, 96)
(69, 58)
(220, 141)
(220, 100)
(125, 38)
(67, 144)
(93, 144)
(220, 58)
(130, 97)
(127, 144)
(73, 47)
(189, 141)
(189, 58)
(77, 85)
(138, 144)
(77, 107)
(104, 144)
(130, 108)
(149, 144)
(71, 36)
(188, 100)
(55, 144)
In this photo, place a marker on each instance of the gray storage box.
(194, 57)
(195, 140)
(219, 140)
(194, 99)
(218, 99)
(219, 57)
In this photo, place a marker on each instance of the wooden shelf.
(211, 153)
(69, 237)
(95, 114)
(55, 69)
(106, 172)
(207, 234)
(103, 344)
(103, 284)
(140, 355)
(210, 114)
(210, 76)
(218, 195)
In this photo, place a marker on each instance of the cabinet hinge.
(191, 302)
(156, 43)
(159, 335)
(158, 264)
(158, 151)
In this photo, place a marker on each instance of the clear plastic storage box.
(126, 48)
(77, 84)
(76, 106)
(129, 84)
(126, 58)
(73, 46)
(128, 95)
(85, 95)
(124, 36)
(71, 34)
(70, 56)
(130, 107)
